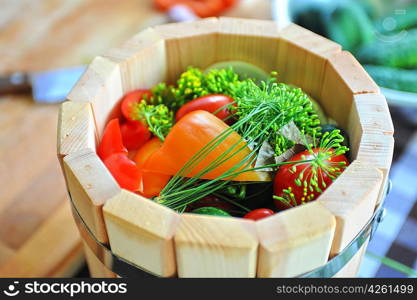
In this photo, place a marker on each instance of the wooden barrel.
(165, 243)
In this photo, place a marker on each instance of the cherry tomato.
(131, 98)
(112, 141)
(293, 194)
(152, 183)
(124, 170)
(259, 213)
(210, 103)
(134, 134)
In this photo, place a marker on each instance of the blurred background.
(38, 237)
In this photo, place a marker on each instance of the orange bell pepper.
(194, 131)
(152, 183)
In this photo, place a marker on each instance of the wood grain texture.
(58, 235)
(53, 34)
(21, 219)
(141, 231)
(303, 57)
(377, 150)
(100, 85)
(141, 59)
(372, 113)
(188, 44)
(371, 130)
(344, 78)
(252, 41)
(90, 185)
(76, 128)
(352, 200)
(295, 241)
(371, 134)
(40, 35)
(208, 246)
(5, 253)
(369, 115)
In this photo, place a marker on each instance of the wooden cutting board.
(38, 237)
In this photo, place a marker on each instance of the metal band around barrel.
(121, 267)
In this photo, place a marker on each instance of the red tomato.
(285, 183)
(229, 3)
(134, 134)
(112, 140)
(152, 183)
(166, 4)
(210, 103)
(202, 8)
(131, 98)
(207, 8)
(125, 171)
(259, 214)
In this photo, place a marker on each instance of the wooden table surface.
(38, 237)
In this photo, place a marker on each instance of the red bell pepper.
(112, 141)
(135, 134)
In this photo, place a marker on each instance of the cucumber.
(243, 69)
(212, 211)
(392, 78)
(312, 19)
(401, 53)
(350, 26)
(400, 21)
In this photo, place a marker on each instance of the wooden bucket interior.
(168, 244)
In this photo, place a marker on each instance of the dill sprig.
(159, 118)
(279, 99)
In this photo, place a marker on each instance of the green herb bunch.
(278, 105)
(159, 118)
(192, 84)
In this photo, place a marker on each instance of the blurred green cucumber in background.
(397, 53)
(382, 34)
